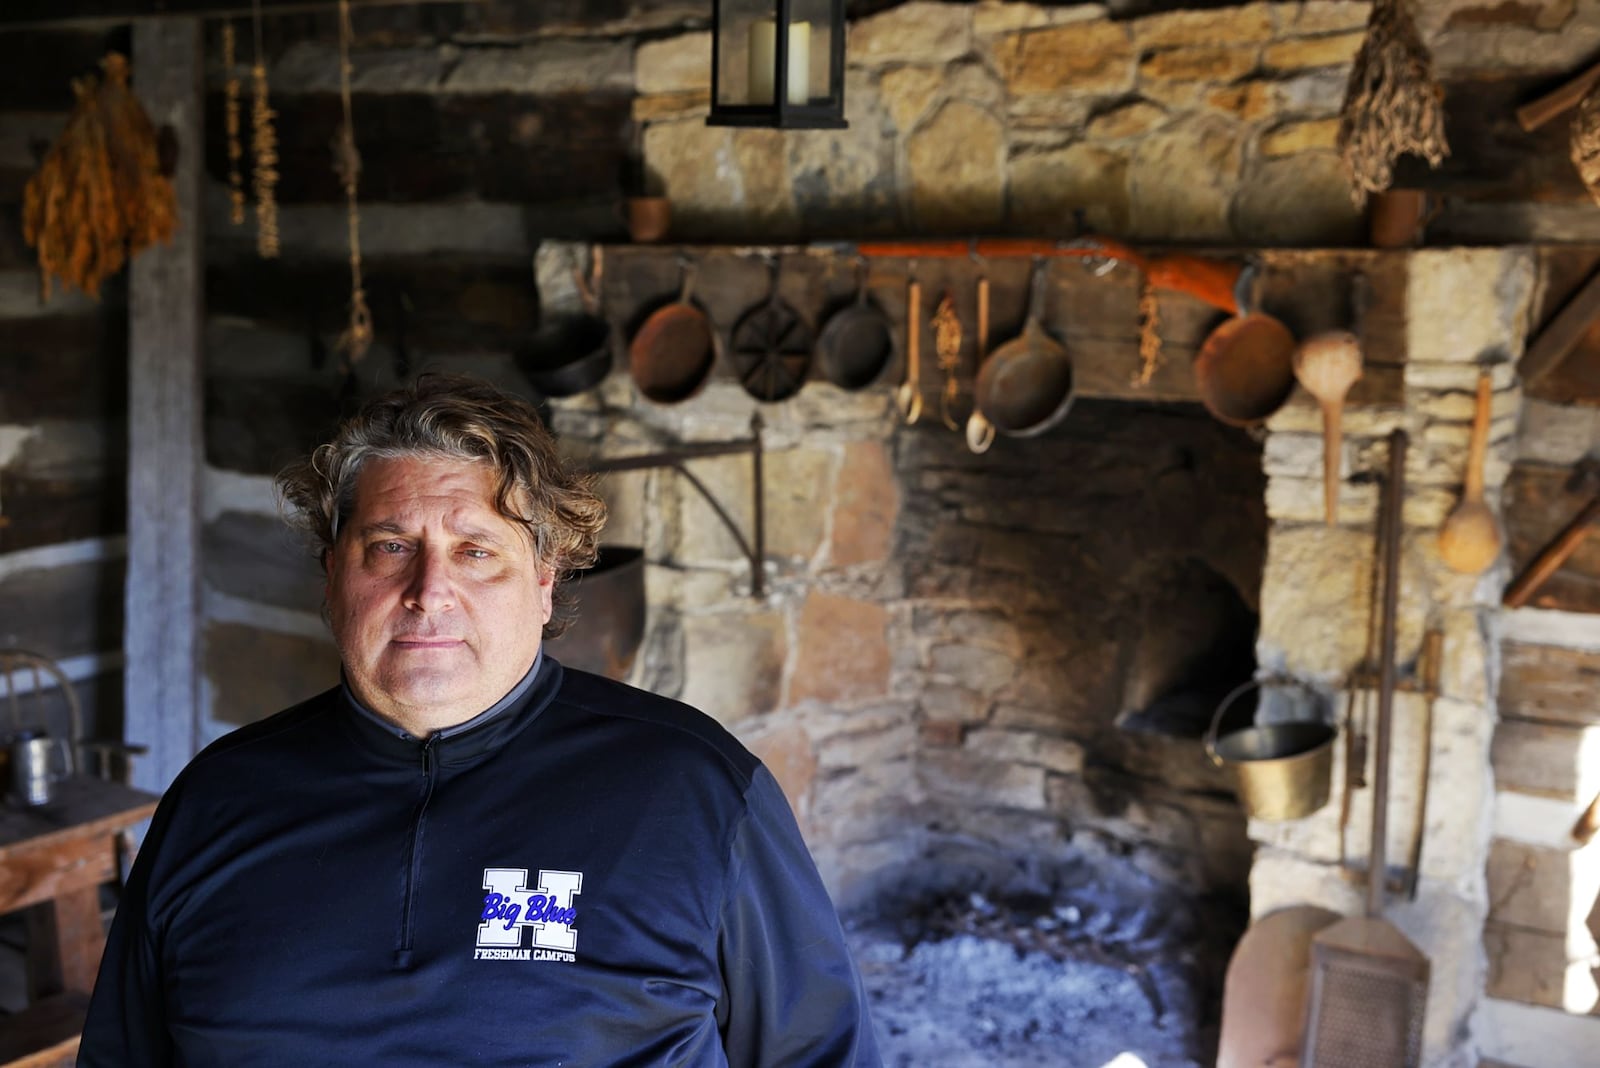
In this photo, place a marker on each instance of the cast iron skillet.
(856, 343)
(671, 356)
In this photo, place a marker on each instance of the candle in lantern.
(763, 61)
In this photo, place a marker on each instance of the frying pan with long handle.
(856, 342)
(671, 356)
(1025, 386)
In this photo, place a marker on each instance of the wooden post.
(165, 440)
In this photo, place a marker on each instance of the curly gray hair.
(455, 417)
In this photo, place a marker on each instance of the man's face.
(437, 600)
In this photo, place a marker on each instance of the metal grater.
(1369, 991)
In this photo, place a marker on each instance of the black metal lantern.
(758, 46)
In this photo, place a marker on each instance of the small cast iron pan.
(671, 356)
(571, 353)
(1025, 386)
(771, 347)
(857, 341)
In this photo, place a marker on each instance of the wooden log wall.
(63, 409)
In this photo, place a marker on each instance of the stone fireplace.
(982, 680)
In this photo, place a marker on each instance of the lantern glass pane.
(742, 24)
(810, 51)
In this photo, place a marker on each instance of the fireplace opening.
(1081, 604)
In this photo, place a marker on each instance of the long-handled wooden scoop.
(1327, 365)
(1470, 539)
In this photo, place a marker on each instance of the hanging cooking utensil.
(771, 346)
(1328, 364)
(857, 341)
(909, 396)
(1245, 369)
(671, 356)
(1470, 539)
(1025, 386)
(1369, 983)
(947, 351)
(571, 353)
(980, 432)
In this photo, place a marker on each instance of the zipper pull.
(427, 754)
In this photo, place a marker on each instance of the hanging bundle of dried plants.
(230, 122)
(357, 336)
(1586, 142)
(99, 197)
(1392, 104)
(263, 150)
(264, 153)
(1149, 335)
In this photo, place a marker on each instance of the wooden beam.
(161, 636)
(45, 14)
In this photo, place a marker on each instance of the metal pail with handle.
(1282, 771)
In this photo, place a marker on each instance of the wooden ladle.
(980, 432)
(1470, 539)
(1327, 365)
(909, 395)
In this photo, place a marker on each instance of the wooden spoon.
(909, 395)
(980, 432)
(1470, 539)
(1327, 365)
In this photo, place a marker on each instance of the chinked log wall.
(63, 408)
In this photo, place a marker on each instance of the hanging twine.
(230, 122)
(99, 196)
(1392, 103)
(357, 336)
(264, 149)
(1586, 142)
(1149, 335)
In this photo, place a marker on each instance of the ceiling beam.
(60, 14)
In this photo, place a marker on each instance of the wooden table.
(53, 860)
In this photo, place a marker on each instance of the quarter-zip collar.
(465, 742)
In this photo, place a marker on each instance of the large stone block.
(976, 779)
(1332, 50)
(957, 162)
(253, 672)
(909, 92)
(1060, 755)
(1299, 199)
(866, 504)
(1464, 303)
(1048, 188)
(1127, 120)
(1197, 63)
(916, 32)
(1093, 57)
(1321, 16)
(1244, 24)
(1181, 181)
(1533, 887)
(677, 64)
(794, 481)
(733, 663)
(843, 650)
(1536, 967)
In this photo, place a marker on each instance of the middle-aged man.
(467, 854)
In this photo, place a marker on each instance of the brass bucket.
(1282, 771)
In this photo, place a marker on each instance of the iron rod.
(1393, 503)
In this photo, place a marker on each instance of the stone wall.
(938, 671)
(1463, 307)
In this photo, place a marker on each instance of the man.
(467, 854)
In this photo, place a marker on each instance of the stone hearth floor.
(1081, 980)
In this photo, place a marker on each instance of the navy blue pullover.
(596, 876)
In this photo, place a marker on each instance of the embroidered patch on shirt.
(511, 906)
